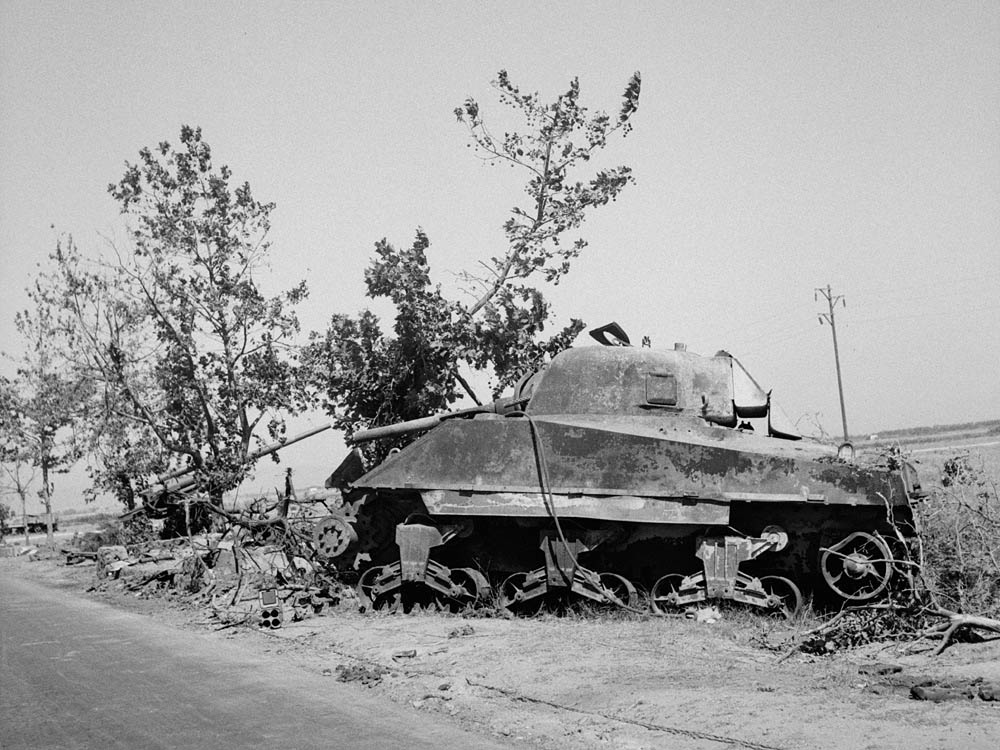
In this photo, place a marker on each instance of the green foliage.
(192, 356)
(370, 376)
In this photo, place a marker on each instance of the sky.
(779, 147)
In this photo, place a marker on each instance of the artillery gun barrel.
(182, 479)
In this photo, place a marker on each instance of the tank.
(614, 470)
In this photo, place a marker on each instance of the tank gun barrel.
(392, 430)
(426, 423)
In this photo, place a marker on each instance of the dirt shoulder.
(584, 682)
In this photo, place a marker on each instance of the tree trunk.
(47, 499)
(24, 515)
(125, 491)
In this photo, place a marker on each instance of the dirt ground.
(614, 682)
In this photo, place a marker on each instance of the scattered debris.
(112, 554)
(938, 691)
(879, 669)
(367, 675)
(911, 621)
(76, 557)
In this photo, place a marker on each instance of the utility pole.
(833, 300)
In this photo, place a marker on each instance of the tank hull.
(620, 469)
(648, 490)
(645, 464)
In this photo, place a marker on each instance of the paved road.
(79, 674)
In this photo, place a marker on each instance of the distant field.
(926, 436)
(930, 447)
(86, 516)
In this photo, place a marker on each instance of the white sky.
(778, 147)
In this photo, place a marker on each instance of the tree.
(5, 513)
(98, 313)
(371, 377)
(192, 356)
(45, 404)
(125, 453)
(18, 476)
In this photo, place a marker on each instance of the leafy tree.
(45, 404)
(98, 314)
(125, 455)
(193, 357)
(371, 376)
(5, 513)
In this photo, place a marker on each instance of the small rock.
(406, 653)
(708, 615)
(937, 694)
(990, 691)
(444, 686)
(462, 631)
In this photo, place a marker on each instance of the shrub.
(960, 539)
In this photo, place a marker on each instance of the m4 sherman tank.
(615, 468)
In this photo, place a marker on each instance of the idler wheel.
(665, 594)
(857, 568)
(619, 590)
(784, 596)
(378, 588)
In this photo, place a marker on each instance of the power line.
(785, 314)
(778, 337)
(927, 314)
(935, 285)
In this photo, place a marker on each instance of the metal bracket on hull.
(563, 574)
(429, 582)
(721, 577)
